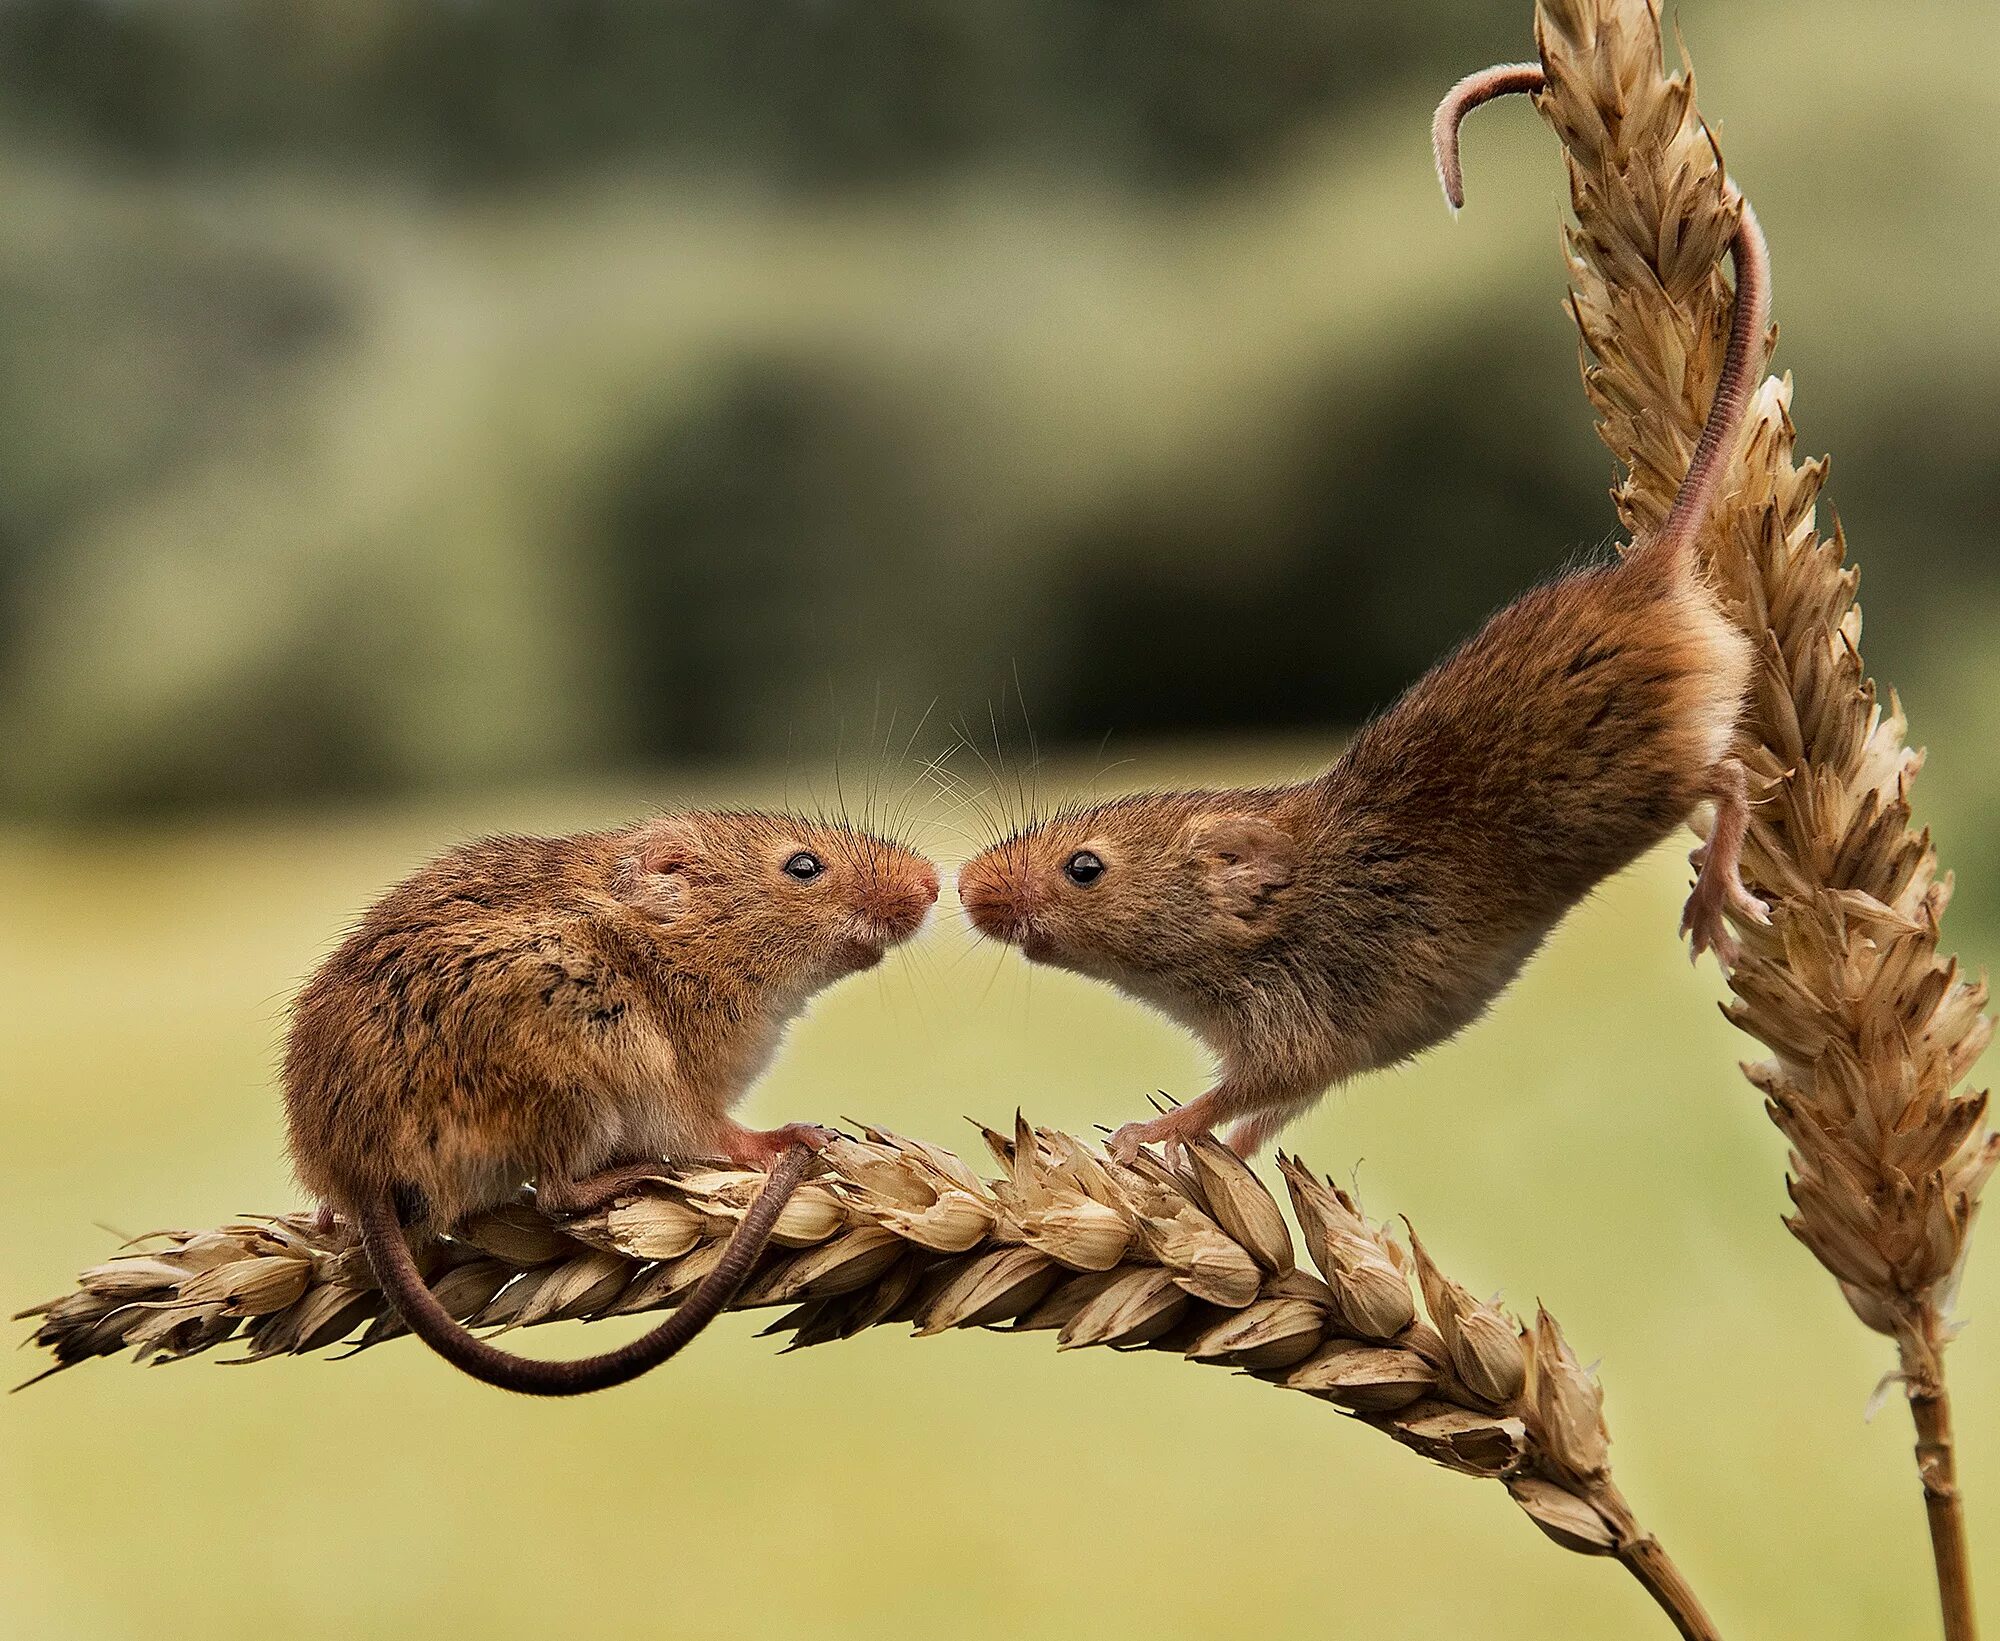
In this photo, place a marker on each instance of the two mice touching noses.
(567, 1011)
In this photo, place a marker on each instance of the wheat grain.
(1196, 1259)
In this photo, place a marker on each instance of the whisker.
(1032, 775)
(986, 991)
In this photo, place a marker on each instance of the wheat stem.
(1937, 1468)
(1649, 1563)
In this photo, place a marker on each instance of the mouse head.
(1138, 891)
(790, 901)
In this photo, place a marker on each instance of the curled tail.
(1747, 254)
(404, 1285)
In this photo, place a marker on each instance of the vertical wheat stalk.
(1870, 1030)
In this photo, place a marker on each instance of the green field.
(1591, 1145)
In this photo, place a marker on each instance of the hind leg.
(1718, 885)
(761, 1147)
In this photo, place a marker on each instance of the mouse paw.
(1718, 894)
(809, 1134)
(1252, 1134)
(759, 1148)
(1172, 1131)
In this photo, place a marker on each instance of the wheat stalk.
(1870, 1029)
(1196, 1259)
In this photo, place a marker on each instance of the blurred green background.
(426, 417)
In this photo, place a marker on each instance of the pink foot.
(760, 1147)
(1718, 885)
(1251, 1135)
(1718, 892)
(1172, 1130)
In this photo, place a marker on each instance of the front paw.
(760, 1148)
(1124, 1144)
(809, 1134)
(1171, 1131)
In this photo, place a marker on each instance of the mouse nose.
(993, 900)
(899, 904)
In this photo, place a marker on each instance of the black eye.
(805, 866)
(1083, 868)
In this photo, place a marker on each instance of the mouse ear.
(668, 847)
(1245, 861)
(654, 877)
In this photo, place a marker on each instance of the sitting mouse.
(567, 1011)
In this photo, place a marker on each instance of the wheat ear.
(1196, 1259)
(1871, 1030)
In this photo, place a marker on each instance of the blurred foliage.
(403, 394)
(801, 92)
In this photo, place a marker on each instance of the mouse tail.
(1742, 362)
(1501, 80)
(410, 1296)
(1673, 543)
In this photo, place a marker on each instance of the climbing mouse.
(1309, 933)
(567, 1011)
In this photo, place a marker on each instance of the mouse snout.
(898, 904)
(994, 899)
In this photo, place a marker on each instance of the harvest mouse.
(1308, 933)
(566, 1011)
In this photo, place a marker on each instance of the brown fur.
(1308, 933)
(542, 1008)
(549, 1009)
(1378, 909)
